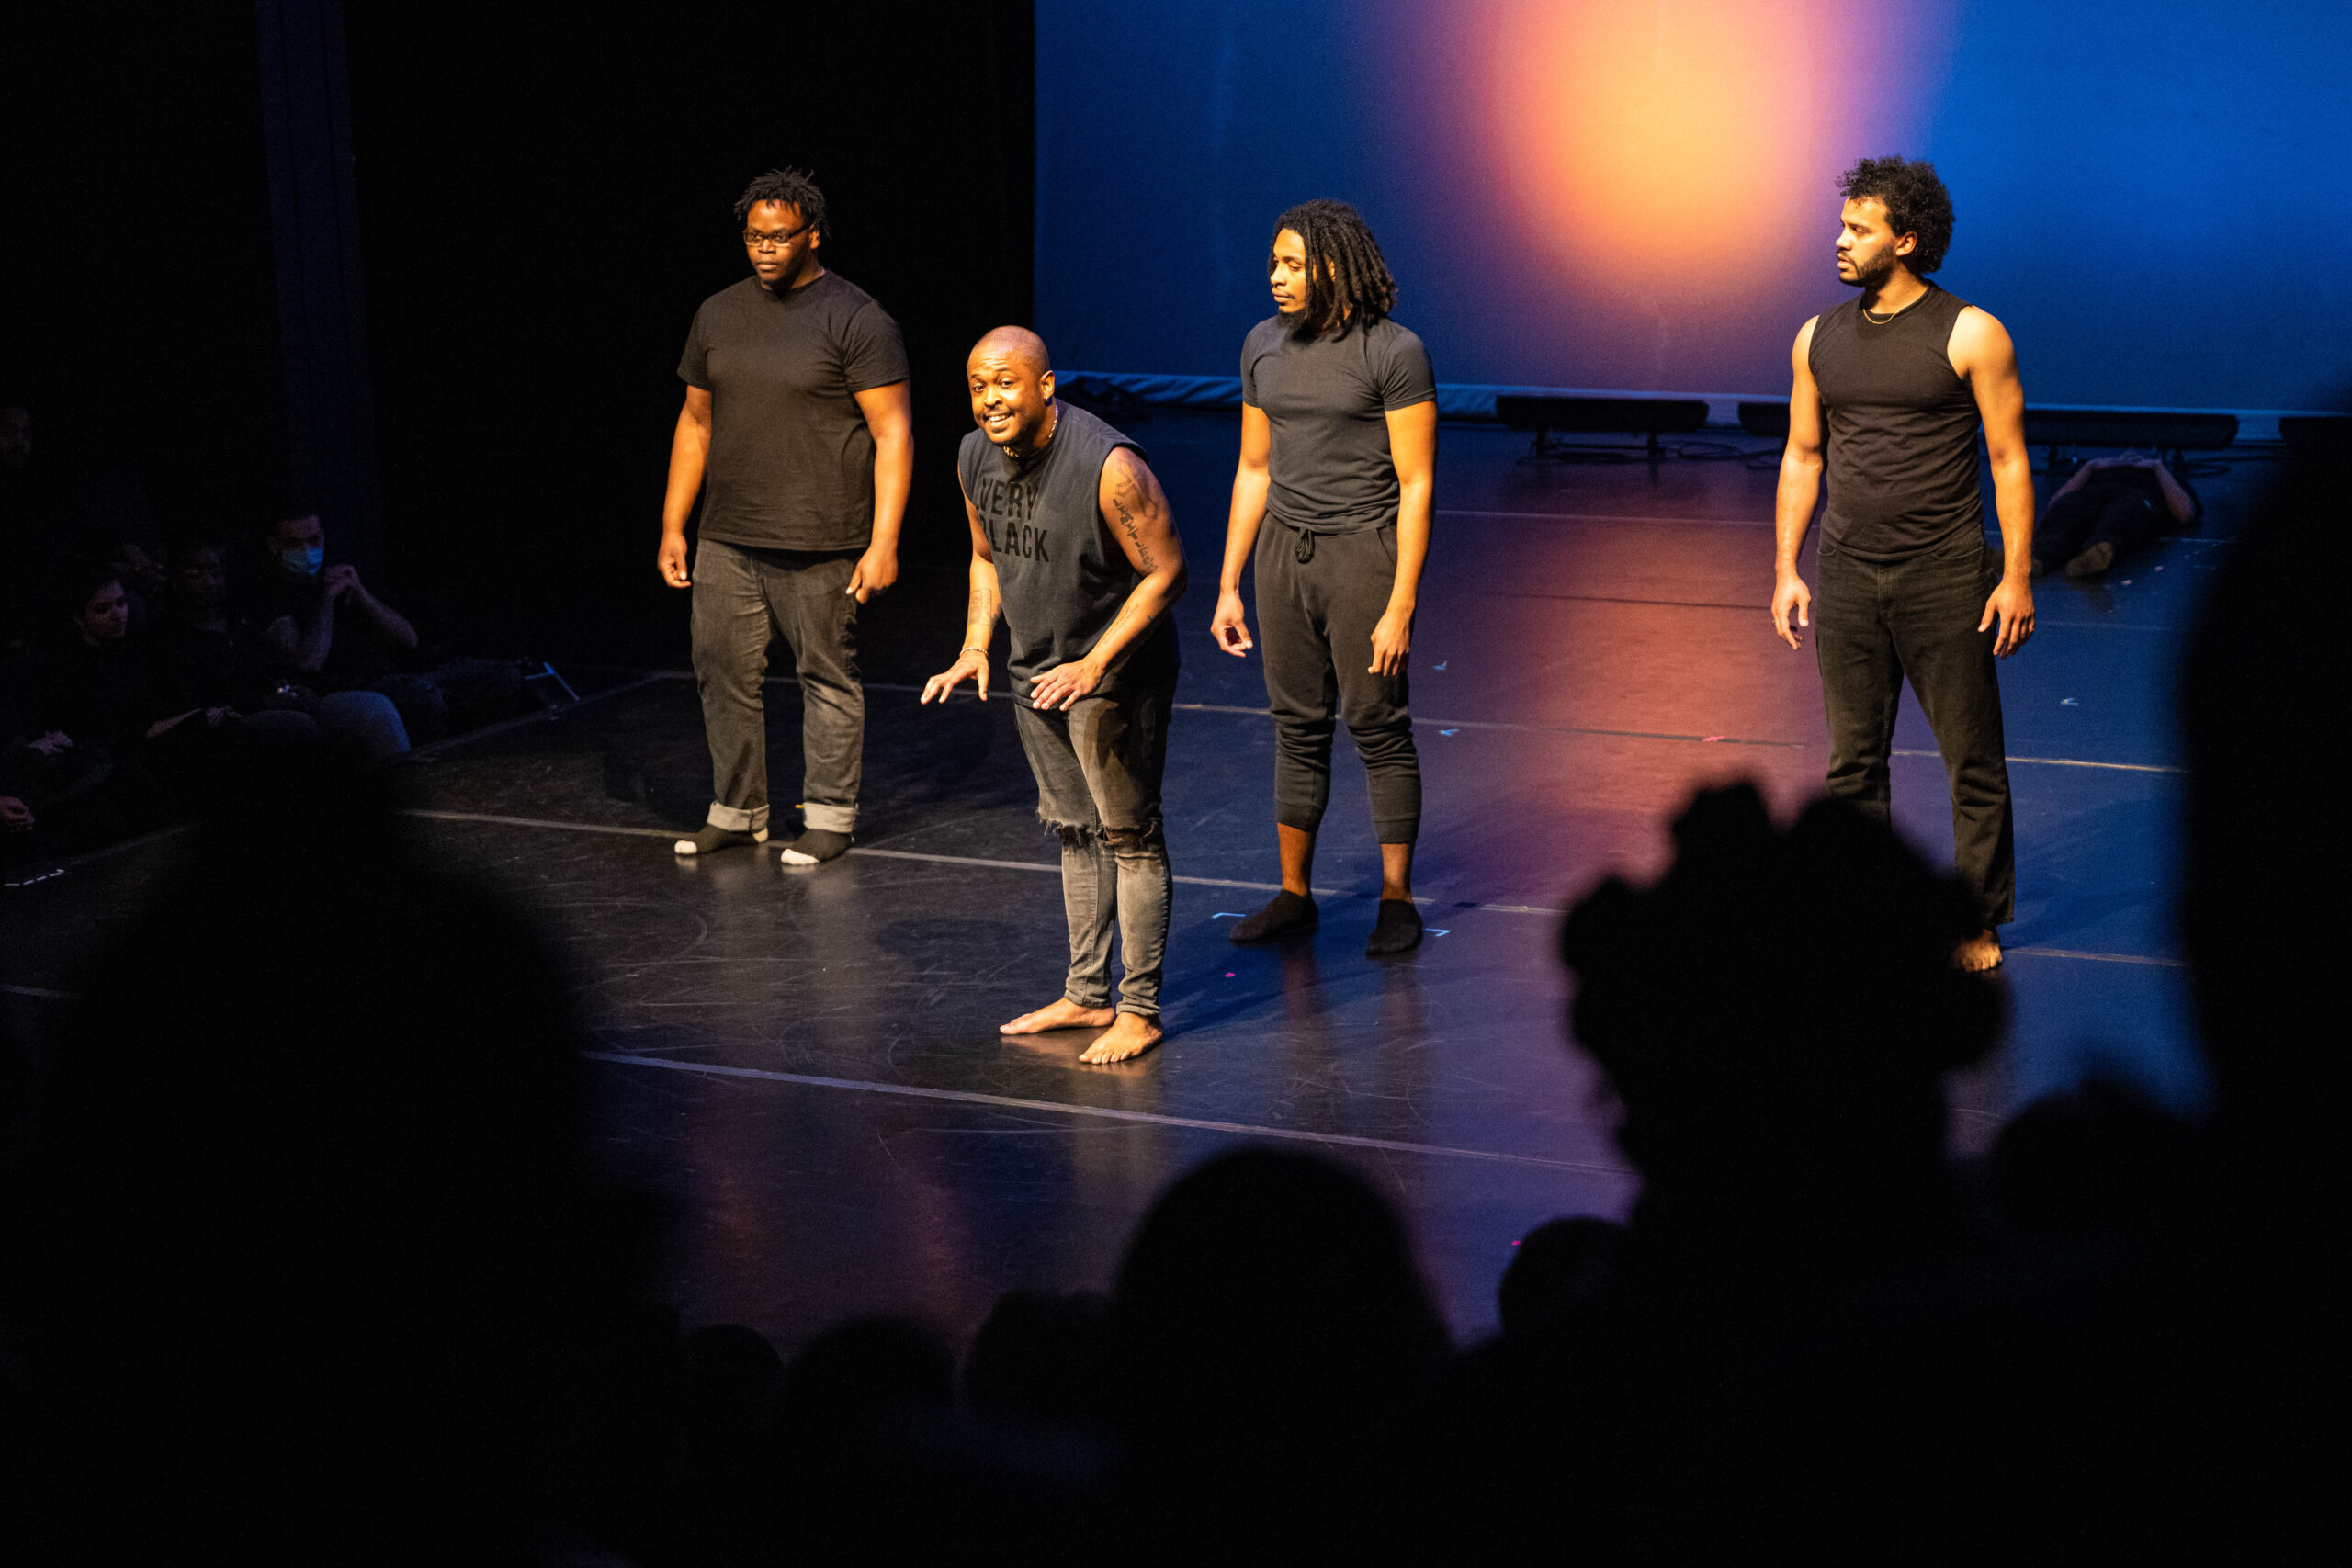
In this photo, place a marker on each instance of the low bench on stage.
(2168, 431)
(1649, 417)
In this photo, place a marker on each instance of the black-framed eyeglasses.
(759, 241)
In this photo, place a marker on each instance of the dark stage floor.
(811, 1058)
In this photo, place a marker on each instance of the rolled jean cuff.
(1137, 1008)
(826, 818)
(738, 819)
(1069, 994)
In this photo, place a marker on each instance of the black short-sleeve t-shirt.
(791, 464)
(1328, 400)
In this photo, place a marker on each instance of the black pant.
(1875, 623)
(1319, 598)
(2097, 513)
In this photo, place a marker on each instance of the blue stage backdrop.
(1637, 195)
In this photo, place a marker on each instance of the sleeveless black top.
(1062, 577)
(1901, 428)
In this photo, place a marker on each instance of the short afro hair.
(1916, 203)
(793, 188)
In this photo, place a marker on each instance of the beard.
(1874, 276)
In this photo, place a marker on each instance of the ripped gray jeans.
(1098, 768)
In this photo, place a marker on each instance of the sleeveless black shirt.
(1062, 577)
(1901, 428)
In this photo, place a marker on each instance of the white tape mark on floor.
(1054, 1107)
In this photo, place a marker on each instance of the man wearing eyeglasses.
(798, 436)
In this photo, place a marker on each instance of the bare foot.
(1130, 1034)
(1063, 1014)
(1980, 954)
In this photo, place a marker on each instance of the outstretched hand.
(970, 665)
(2012, 605)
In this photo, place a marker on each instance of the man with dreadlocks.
(1339, 451)
(797, 434)
(1892, 386)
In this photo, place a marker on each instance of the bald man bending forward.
(1071, 538)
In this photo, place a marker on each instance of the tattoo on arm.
(1127, 499)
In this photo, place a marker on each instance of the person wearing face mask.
(324, 627)
(331, 635)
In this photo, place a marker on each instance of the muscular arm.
(1412, 446)
(1982, 354)
(1247, 514)
(1799, 492)
(689, 451)
(1135, 511)
(889, 415)
(979, 619)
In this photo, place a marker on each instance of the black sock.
(814, 846)
(1399, 929)
(1286, 912)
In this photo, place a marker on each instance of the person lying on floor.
(2108, 508)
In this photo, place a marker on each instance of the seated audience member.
(110, 693)
(2108, 508)
(1270, 1335)
(276, 1294)
(215, 654)
(329, 632)
(213, 658)
(2263, 927)
(21, 842)
(59, 805)
(1774, 1016)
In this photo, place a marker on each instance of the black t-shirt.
(358, 653)
(104, 696)
(228, 666)
(1328, 400)
(1062, 576)
(791, 464)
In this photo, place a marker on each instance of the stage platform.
(808, 1059)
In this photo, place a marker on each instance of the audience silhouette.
(307, 1257)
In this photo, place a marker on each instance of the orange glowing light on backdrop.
(1644, 139)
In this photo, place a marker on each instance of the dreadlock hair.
(1916, 203)
(1348, 284)
(794, 188)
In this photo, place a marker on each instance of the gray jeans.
(743, 600)
(1098, 768)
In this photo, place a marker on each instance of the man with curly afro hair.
(1889, 390)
